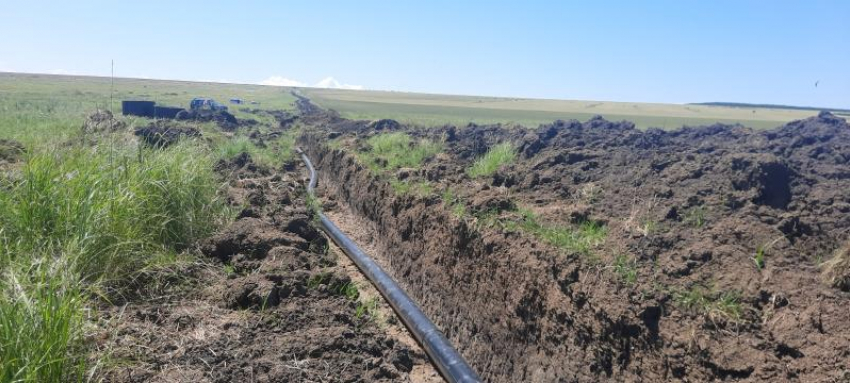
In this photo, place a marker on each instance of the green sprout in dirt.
(695, 216)
(454, 203)
(648, 227)
(626, 269)
(582, 237)
(317, 280)
(701, 300)
(390, 151)
(314, 205)
(758, 258)
(367, 308)
(590, 193)
(348, 290)
(761, 252)
(420, 189)
(498, 156)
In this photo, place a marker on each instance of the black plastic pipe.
(448, 361)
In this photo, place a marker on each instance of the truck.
(199, 104)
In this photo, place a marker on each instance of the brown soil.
(224, 120)
(690, 211)
(102, 121)
(269, 307)
(164, 133)
(11, 151)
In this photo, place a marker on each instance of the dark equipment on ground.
(205, 109)
(138, 108)
(201, 104)
(166, 112)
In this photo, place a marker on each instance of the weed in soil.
(455, 204)
(582, 238)
(701, 300)
(390, 151)
(626, 269)
(695, 217)
(415, 188)
(837, 269)
(367, 309)
(498, 156)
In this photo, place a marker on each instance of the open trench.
(522, 315)
(687, 213)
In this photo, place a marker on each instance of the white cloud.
(332, 83)
(58, 71)
(5, 68)
(281, 81)
(219, 81)
(328, 82)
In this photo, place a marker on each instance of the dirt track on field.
(687, 214)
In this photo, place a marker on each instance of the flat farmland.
(432, 109)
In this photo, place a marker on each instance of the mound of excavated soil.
(164, 133)
(277, 315)
(241, 166)
(225, 120)
(102, 121)
(11, 150)
(385, 124)
(711, 269)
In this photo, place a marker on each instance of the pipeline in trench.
(448, 361)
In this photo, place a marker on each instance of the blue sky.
(651, 51)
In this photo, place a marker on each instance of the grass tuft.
(457, 206)
(626, 269)
(836, 271)
(498, 156)
(419, 189)
(695, 217)
(391, 151)
(583, 237)
(701, 300)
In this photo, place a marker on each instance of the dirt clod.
(102, 121)
(11, 150)
(163, 133)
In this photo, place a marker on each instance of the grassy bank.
(81, 215)
(78, 222)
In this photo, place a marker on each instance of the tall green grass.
(498, 156)
(41, 322)
(79, 222)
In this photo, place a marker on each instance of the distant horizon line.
(709, 103)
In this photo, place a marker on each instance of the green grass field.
(430, 109)
(74, 96)
(36, 107)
